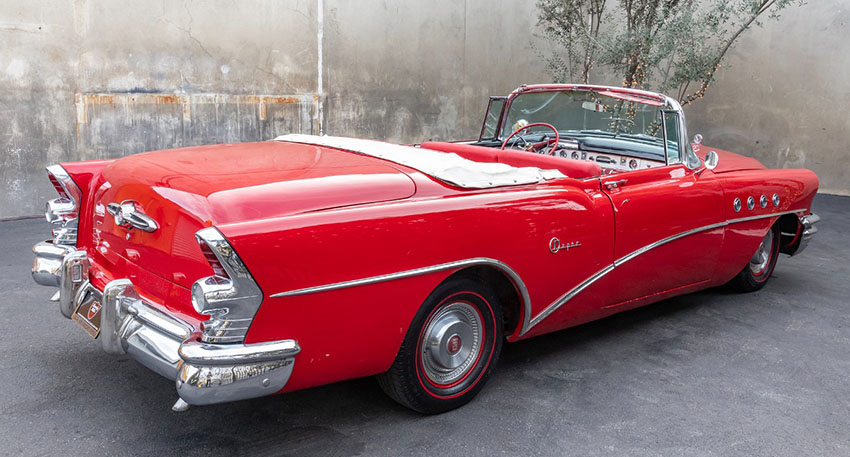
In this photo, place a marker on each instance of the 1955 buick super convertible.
(243, 270)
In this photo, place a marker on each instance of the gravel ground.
(711, 373)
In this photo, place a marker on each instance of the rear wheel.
(758, 270)
(450, 348)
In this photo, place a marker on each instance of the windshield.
(590, 114)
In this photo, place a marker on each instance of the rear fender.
(85, 174)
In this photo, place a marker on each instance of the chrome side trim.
(528, 322)
(567, 297)
(664, 241)
(526, 299)
(563, 299)
(764, 216)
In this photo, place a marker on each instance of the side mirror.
(711, 160)
(697, 139)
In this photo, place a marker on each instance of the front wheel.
(449, 350)
(758, 270)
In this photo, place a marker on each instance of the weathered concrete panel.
(413, 71)
(56, 56)
(118, 124)
(204, 46)
(36, 100)
(784, 97)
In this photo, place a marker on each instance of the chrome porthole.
(763, 201)
(751, 202)
(737, 205)
(775, 199)
(451, 343)
(761, 259)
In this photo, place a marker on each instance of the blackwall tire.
(450, 349)
(758, 270)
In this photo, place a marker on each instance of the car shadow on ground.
(319, 421)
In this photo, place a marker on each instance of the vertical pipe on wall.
(319, 83)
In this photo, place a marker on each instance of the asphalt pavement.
(708, 374)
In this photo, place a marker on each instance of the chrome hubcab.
(761, 259)
(451, 343)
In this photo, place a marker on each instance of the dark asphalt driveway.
(712, 373)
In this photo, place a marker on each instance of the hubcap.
(451, 343)
(761, 259)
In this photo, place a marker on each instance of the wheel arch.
(790, 231)
(508, 287)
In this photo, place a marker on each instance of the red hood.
(729, 161)
(184, 190)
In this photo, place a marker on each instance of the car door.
(668, 227)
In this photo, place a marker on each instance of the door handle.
(615, 184)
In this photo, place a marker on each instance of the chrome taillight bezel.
(63, 212)
(231, 300)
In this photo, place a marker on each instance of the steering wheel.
(534, 146)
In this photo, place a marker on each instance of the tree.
(663, 45)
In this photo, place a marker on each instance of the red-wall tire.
(751, 279)
(450, 348)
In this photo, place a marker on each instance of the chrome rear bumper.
(205, 373)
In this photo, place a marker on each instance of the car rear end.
(125, 259)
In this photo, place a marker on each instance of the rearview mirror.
(711, 160)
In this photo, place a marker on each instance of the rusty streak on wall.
(125, 123)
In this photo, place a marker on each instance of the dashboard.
(606, 160)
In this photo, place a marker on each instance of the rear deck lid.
(184, 190)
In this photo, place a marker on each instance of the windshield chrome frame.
(687, 156)
(497, 132)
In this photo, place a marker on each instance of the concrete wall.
(92, 79)
(784, 96)
(83, 79)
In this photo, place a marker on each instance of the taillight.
(59, 189)
(230, 297)
(215, 264)
(63, 212)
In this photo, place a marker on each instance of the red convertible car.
(243, 270)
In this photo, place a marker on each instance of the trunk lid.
(184, 190)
